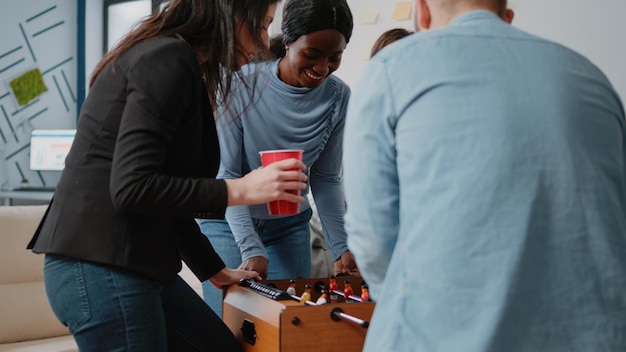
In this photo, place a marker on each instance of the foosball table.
(267, 316)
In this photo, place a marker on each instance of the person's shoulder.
(398, 61)
(257, 67)
(168, 57)
(563, 49)
(161, 48)
(255, 73)
(547, 47)
(163, 42)
(338, 83)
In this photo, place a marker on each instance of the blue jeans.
(111, 309)
(286, 240)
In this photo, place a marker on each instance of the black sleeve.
(196, 250)
(164, 83)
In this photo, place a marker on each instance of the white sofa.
(26, 319)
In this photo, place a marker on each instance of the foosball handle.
(337, 314)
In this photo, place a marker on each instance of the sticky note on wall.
(28, 86)
(402, 11)
(369, 16)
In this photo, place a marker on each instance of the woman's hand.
(258, 264)
(228, 276)
(346, 264)
(269, 183)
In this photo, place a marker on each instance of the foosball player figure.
(365, 293)
(347, 290)
(323, 299)
(332, 287)
(291, 290)
(306, 295)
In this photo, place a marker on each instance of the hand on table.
(345, 265)
(228, 276)
(258, 264)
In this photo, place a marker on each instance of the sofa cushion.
(53, 344)
(17, 225)
(25, 313)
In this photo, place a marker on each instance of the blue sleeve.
(370, 176)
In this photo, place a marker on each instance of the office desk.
(7, 197)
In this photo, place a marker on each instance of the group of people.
(482, 167)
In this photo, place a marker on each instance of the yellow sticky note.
(369, 16)
(402, 11)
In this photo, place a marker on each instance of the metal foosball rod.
(355, 298)
(299, 299)
(311, 303)
(337, 313)
(352, 298)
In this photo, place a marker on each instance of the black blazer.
(141, 168)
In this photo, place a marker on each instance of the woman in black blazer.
(141, 168)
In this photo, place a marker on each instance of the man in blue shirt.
(484, 171)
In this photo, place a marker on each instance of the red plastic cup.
(282, 207)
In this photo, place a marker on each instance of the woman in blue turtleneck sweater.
(298, 104)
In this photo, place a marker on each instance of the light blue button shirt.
(484, 171)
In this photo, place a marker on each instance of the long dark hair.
(301, 17)
(209, 26)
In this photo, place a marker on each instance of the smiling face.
(312, 58)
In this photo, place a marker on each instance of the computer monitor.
(49, 147)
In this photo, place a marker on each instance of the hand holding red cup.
(281, 207)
